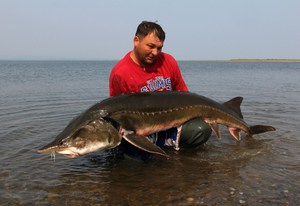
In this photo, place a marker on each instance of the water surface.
(39, 98)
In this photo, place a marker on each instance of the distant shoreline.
(248, 60)
(264, 60)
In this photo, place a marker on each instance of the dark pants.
(194, 133)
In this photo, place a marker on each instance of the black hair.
(147, 27)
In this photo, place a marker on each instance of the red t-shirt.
(163, 75)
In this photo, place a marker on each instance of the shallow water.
(39, 98)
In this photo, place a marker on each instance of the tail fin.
(257, 129)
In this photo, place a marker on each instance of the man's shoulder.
(166, 55)
(169, 61)
(122, 64)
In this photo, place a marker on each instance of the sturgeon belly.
(145, 123)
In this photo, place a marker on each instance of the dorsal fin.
(235, 105)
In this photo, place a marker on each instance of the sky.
(104, 29)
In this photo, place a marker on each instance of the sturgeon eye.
(79, 142)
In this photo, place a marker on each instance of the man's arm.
(179, 83)
(115, 85)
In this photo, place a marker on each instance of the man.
(146, 68)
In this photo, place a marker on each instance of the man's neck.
(135, 60)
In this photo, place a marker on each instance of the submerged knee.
(194, 133)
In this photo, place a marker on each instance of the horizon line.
(220, 60)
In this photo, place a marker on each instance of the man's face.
(147, 49)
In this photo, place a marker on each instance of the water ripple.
(38, 99)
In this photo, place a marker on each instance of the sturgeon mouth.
(69, 152)
(72, 156)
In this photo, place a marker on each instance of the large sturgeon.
(141, 114)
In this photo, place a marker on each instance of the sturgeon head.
(96, 135)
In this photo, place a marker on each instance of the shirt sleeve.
(115, 85)
(179, 83)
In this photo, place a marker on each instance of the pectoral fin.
(143, 143)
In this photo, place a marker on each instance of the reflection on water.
(38, 99)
